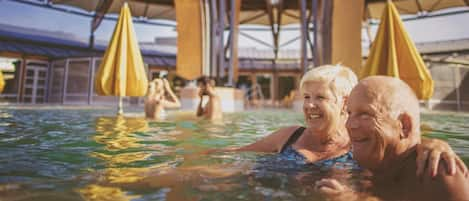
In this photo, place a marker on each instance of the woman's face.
(321, 108)
(155, 86)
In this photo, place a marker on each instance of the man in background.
(212, 109)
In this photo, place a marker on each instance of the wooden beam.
(278, 27)
(279, 71)
(215, 34)
(256, 40)
(314, 50)
(303, 32)
(291, 15)
(290, 41)
(22, 76)
(270, 14)
(65, 81)
(145, 12)
(101, 9)
(91, 80)
(324, 33)
(466, 2)
(221, 28)
(255, 17)
(419, 5)
(233, 47)
(164, 12)
(308, 37)
(26, 56)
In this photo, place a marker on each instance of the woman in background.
(159, 97)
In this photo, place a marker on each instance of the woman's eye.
(306, 97)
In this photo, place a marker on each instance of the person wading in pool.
(212, 109)
(384, 128)
(325, 140)
(156, 100)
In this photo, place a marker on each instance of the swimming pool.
(89, 154)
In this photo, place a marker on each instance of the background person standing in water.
(157, 100)
(212, 109)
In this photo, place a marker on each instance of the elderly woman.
(156, 100)
(325, 140)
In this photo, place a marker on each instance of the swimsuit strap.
(293, 138)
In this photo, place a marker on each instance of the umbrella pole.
(119, 107)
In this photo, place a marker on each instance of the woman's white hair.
(341, 79)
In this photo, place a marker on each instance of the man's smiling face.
(372, 130)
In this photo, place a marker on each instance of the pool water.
(90, 154)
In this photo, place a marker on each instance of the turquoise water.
(89, 154)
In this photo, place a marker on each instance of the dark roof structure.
(59, 45)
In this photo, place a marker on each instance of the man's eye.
(365, 115)
(306, 97)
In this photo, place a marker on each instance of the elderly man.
(212, 109)
(383, 125)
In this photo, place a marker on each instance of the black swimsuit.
(289, 153)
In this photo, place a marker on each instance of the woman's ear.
(344, 105)
(406, 125)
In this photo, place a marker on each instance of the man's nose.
(351, 123)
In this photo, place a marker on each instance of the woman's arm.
(200, 109)
(173, 102)
(429, 154)
(271, 143)
(333, 190)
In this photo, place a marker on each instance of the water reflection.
(129, 143)
(119, 135)
(103, 193)
(79, 155)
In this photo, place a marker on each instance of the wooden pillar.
(65, 77)
(347, 33)
(457, 83)
(48, 81)
(275, 83)
(206, 36)
(221, 40)
(189, 59)
(314, 9)
(91, 80)
(339, 32)
(323, 30)
(214, 37)
(22, 77)
(235, 7)
(303, 33)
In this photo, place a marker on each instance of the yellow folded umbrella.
(121, 72)
(2, 82)
(394, 54)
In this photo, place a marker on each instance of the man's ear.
(406, 125)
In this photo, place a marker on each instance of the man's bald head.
(394, 95)
(383, 121)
